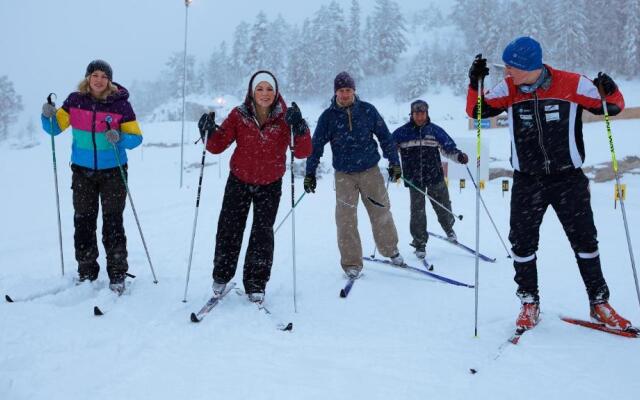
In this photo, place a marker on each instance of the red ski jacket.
(261, 151)
(546, 125)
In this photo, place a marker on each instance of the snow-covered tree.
(239, 50)
(631, 43)
(219, 72)
(172, 76)
(387, 35)
(259, 54)
(278, 46)
(10, 104)
(354, 52)
(301, 75)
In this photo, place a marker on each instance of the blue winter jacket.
(350, 131)
(420, 149)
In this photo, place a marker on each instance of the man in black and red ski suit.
(545, 108)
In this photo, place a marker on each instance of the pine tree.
(323, 48)
(387, 36)
(173, 74)
(353, 43)
(278, 42)
(239, 50)
(10, 104)
(572, 38)
(301, 72)
(258, 55)
(219, 72)
(631, 44)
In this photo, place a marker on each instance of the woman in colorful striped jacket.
(103, 125)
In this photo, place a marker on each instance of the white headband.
(262, 77)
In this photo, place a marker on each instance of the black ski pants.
(418, 222)
(92, 188)
(568, 194)
(238, 197)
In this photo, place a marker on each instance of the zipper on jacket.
(421, 150)
(93, 137)
(349, 116)
(540, 137)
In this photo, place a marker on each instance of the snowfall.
(398, 335)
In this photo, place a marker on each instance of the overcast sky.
(46, 45)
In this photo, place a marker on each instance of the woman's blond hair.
(83, 87)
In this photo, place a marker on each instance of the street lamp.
(184, 85)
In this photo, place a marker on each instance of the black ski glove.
(478, 70)
(294, 119)
(395, 172)
(605, 82)
(463, 158)
(207, 125)
(310, 183)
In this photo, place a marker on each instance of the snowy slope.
(397, 336)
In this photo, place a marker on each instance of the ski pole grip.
(49, 98)
(107, 120)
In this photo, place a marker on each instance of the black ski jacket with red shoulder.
(545, 125)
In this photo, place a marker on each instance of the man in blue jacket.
(350, 125)
(420, 142)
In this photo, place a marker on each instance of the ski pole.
(478, 142)
(373, 255)
(289, 213)
(293, 216)
(195, 218)
(431, 198)
(108, 120)
(614, 163)
(489, 215)
(55, 180)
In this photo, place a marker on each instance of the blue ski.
(213, 301)
(418, 270)
(462, 246)
(344, 292)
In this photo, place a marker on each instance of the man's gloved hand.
(478, 70)
(395, 172)
(294, 119)
(113, 136)
(310, 183)
(207, 125)
(605, 82)
(463, 158)
(49, 110)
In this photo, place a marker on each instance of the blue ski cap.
(523, 53)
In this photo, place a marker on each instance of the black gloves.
(207, 125)
(478, 71)
(310, 183)
(395, 172)
(294, 119)
(463, 158)
(605, 84)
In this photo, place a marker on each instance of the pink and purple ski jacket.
(86, 116)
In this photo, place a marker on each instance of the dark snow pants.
(91, 188)
(238, 197)
(568, 194)
(418, 222)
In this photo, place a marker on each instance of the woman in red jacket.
(261, 128)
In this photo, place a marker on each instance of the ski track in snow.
(397, 335)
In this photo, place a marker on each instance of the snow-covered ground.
(398, 335)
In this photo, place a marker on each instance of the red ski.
(630, 332)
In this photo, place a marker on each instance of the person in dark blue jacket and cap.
(420, 143)
(350, 124)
